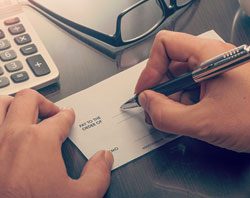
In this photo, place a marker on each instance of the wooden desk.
(183, 168)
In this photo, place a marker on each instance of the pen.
(208, 69)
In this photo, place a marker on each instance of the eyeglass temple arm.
(90, 32)
(173, 4)
(84, 39)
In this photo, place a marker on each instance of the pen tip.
(129, 104)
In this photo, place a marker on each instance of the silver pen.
(206, 70)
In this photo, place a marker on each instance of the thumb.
(95, 178)
(169, 115)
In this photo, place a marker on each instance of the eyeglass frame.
(116, 40)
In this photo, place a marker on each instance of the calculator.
(24, 60)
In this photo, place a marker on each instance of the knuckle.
(217, 45)
(27, 133)
(25, 92)
(31, 131)
(223, 46)
(161, 35)
(208, 48)
(67, 116)
(32, 135)
(28, 92)
(35, 134)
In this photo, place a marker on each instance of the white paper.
(101, 125)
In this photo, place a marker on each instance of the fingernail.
(104, 155)
(109, 159)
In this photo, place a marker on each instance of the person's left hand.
(31, 163)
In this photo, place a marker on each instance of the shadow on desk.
(188, 168)
(193, 168)
(183, 168)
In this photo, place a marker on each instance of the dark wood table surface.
(184, 168)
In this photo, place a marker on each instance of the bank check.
(101, 125)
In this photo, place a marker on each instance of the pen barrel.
(170, 87)
(222, 63)
(206, 70)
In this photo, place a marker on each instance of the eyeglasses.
(127, 23)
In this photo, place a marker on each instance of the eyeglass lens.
(140, 20)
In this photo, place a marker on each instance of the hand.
(31, 163)
(218, 112)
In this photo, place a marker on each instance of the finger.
(95, 178)
(168, 115)
(59, 124)
(178, 68)
(190, 97)
(26, 107)
(167, 46)
(179, 47)
(147, 118)
(4, 105)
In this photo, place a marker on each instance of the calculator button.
(28, 49)
(13, 66)
(16, 29)
(4, 81)
(23, 39)
(8, 55)
(2, 35)
(19, 77)
(12, 21)
(38, 65)
(4, 44)
(1, 71)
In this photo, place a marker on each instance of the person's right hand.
(220, 113)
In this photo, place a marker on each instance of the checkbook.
(101, 125)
